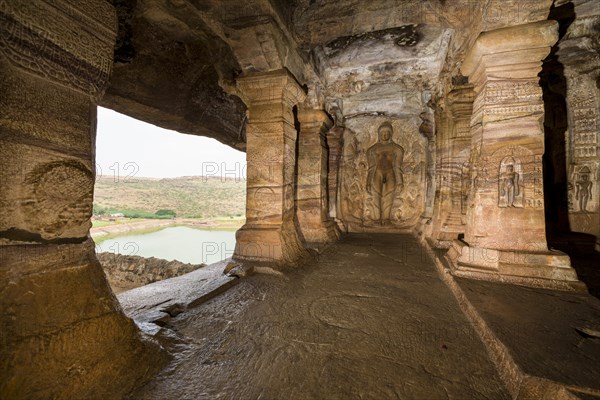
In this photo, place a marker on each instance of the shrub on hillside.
(166, 213)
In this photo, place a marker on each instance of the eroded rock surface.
(127, 272)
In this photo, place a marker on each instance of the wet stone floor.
(370, 319)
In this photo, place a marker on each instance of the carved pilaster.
(453, 145)
(270, 232)
(335, 143)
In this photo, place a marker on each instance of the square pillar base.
(325, 232)
(271, 244)
(549, 269)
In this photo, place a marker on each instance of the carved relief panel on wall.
(382, 174)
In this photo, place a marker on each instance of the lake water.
(180, 243)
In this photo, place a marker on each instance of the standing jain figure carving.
(584, 190)
(509, 186)
(385, 173)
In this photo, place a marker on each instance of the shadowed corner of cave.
(578, 245)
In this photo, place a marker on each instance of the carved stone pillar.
(63, 333)
(429, 130)
(270, 232)
(335, 143)
(453, 145)
(441, 205)
(578, 53)
(312, 204)
(505, 232)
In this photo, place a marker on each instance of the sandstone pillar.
(270, 233)
(63, 333)
(335, 143)
(312, 205)
(453, 145)
(578, 53)
(505, 233)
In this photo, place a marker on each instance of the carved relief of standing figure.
(385, 173)
(584, 189)
(510, 183)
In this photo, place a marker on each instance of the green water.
(180, 243)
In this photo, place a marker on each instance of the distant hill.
(189, 197)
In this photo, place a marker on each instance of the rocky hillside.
(189, 197)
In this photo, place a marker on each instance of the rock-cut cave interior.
(422, 199)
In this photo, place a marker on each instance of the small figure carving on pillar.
(584, 189)
(510, 183)
(384, 178)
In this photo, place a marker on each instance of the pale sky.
(133, 147)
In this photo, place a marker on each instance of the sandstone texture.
(473, 125)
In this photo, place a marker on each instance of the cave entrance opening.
(158, 193)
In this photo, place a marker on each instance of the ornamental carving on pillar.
(70, 43)
(59, 197)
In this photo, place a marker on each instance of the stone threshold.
(153, 305)
(545, 343)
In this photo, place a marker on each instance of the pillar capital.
(513, 52)
(308, 116)
(66, 42)
(459, 101)
(270, 87)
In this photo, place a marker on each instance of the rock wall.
(127, 272)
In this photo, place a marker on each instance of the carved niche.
(583, 185)
(519, 177)
(510, 181)
(383, 174)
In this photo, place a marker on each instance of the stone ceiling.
(177, 60)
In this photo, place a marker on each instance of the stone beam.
(505, 236)
(270, 233)
(312, 204)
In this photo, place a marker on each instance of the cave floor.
(370, 319)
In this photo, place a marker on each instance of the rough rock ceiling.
(177, 60)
